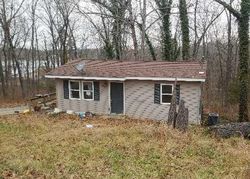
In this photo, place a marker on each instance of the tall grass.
(229, 112)
(36, 145)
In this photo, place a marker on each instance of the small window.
(166, 93)
(88, 90)
(74, 89)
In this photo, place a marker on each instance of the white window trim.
(162, 84)
(74, 90)
(93, 91)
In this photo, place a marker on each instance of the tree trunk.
(143, 28)
(165, 10)
(243, 31)
(132, 27)
(195, 30)
(229, 60)
(184, 29)
(244, 57)
(2, 79)
(150, 45)
(182, 117)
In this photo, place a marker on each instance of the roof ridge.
(136, 61)
(125, 68)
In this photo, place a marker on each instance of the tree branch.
(229, 8)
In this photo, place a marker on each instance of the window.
(166, 93)
(74, 89)
(88, 90)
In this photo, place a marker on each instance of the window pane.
(166, 98)
(166, 88)
(87, 86)
(75, 94)
(74, 85)
(88, 95)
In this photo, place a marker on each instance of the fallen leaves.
(44, 146)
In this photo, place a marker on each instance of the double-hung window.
(88, 90)
(166, 93)
(74, 89)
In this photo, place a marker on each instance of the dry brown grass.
(8, 103)
(36, 145)
(229, 112)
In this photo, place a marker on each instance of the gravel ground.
(13, 110)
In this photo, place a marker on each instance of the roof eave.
(126, 78)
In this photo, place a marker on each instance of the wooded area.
(39, 35)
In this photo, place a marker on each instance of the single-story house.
(140, 89)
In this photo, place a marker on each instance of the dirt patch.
(12, 110)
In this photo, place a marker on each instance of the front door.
(116, 97)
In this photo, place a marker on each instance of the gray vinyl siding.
(139, 100)
(191, 94)
(99, 107)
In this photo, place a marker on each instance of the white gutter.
(84, 78)
(126, 78)
(164, 79)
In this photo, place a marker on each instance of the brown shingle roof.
(123, 69)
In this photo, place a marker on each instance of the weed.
(37, 145)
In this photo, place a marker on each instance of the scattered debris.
(89, 114)
(81, 115)
(89, 126)
(213, 119)
(26, 111)
(45, 108)
(70, 112)
(37, 108)
(45, 102)
(57, 110)
(231, 130)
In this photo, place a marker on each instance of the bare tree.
(33, 36)
(204, 23)
(8, 15)
(117, 9)
(132, 24)
(243, 21)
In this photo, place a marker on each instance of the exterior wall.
(139, 101)
(100, 107)
(191, 94)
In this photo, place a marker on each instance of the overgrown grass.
(62, 147)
